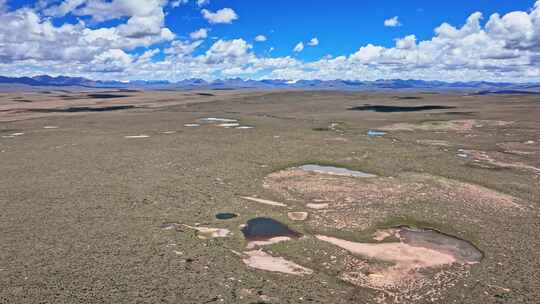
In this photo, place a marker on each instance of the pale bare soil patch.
(261, 260)
(359, 203)
(501, 160)
(451, 125)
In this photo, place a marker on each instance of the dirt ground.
(111, 196)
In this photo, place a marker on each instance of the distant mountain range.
(479, 87)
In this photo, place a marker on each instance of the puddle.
(168, 132)
(216, 120)
(192, 125)
(297, 216)
(259, 259)
(226, 216)
(50, 127)
(335, 171)
(395, 109)
(265, 231)
(136, 136)
(229, 125)
(263, 201)
(244, 127)
(13, 135)
(83, 109)
(407, 97)
(463, 251)
(106, 96)
(375, 133)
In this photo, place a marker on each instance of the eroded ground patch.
(360, 203)
(400, 263)
(404, 260)
(450, 125)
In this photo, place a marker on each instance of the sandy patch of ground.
(207, 232)
(381, 235)
(394, 287)
(297, 216)
(434, 142)
(274, 240)
(520, 148)
(498, 159)
(451, 125)
(259, 259)
(398, 269)
(317, 206)
(263, 201)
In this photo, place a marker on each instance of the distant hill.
(478, 87)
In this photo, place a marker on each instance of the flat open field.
(112, 197)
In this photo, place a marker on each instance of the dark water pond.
(226, 216)
(263, 228)
(83, 109)
(395, 109)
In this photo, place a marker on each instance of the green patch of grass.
(394, 222)
(363, 236)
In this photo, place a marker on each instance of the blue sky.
(342, 26)
(153, 39)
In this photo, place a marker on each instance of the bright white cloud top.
(260, 38)
(224, 15)
(313, 42)
(298, 47)
(392, 22)
(200, 34)
(501, 47)
(202, 2)
(177, 3)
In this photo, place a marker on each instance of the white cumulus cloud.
(199, 34)
(177, 3)
(36, 40)
(201, 3)
(313, 42)
(260, 38)
(392, 22)
(227, 51)
(299, 47)
(224, 15)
